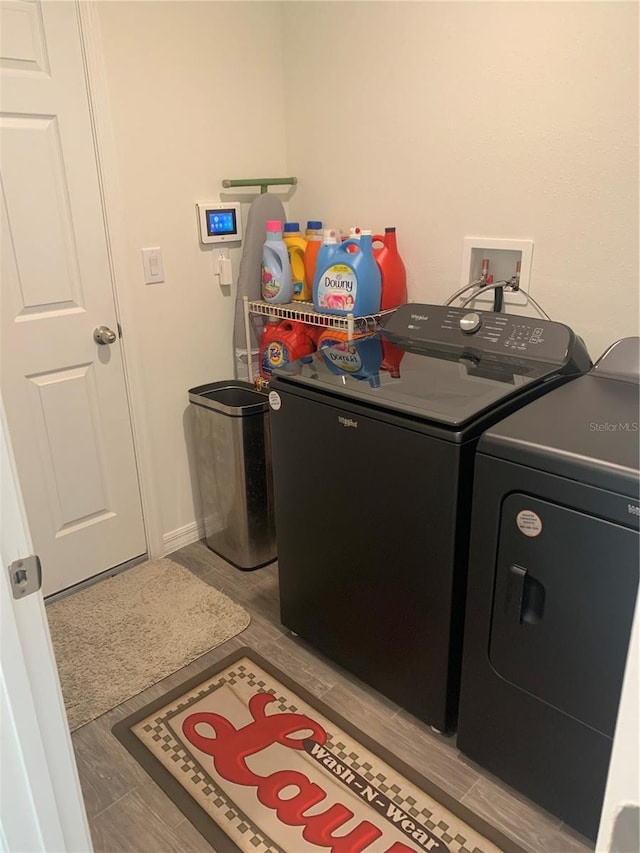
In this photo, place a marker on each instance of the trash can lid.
(230, 397)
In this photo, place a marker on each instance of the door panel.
(565, 590)
(22, 43)
(72, 452)
(65, 395)
(39, 211)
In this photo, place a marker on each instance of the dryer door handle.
(525, 597)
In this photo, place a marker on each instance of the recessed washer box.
(503, 255)
(219, 222)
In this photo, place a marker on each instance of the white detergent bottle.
(277, 286)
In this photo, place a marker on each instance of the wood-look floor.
(128, 813)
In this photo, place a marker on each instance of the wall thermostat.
(220, 222)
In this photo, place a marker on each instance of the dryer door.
(564, 598)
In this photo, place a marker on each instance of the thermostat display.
(219, 222)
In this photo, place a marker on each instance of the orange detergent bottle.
(331, 338)
(313, 236)
(328, 337)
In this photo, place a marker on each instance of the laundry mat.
(258, 764)
(116, 638)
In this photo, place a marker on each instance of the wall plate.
(503, 255)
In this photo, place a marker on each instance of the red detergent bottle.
(392, 355)
(281, 343)
(392, 270)
(315, 333)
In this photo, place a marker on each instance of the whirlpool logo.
(347, 422)
(420, 317)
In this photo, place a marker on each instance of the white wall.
(444, 119)
(477, 118)
(195, 92)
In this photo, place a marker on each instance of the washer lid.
(428, 364)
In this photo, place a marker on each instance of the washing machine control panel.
(488, 332)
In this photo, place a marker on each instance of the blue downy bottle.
(360, 358)
(350, 282)
(330, 242)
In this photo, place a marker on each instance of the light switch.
(152, 263)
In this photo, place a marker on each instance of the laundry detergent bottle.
(269, 334)
(330, 242)
(354, 234)
(359, 358)
(313, 229)
(313, 236)
(283, 343)
(296, 245)
(350, 283)
(277, 286)
(392, 355)
(392, 270)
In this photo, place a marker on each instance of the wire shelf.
(304, 312)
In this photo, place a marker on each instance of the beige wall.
(196, 96)
(446, 119)
(514, 120)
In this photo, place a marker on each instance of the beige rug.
(120, 636)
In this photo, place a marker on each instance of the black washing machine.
(553, 577)
(373, 443)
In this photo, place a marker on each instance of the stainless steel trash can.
(233, 450)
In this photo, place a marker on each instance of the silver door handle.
(104, 335)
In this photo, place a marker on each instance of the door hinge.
(25, 576)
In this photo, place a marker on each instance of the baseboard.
(182, 536)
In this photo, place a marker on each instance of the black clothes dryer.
(373, 443)
(553, 577)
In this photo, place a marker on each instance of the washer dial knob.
(470, 323)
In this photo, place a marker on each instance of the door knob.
(104, 335)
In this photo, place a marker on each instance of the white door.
(41, 807)
(64, 394)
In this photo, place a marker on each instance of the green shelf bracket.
(263, 183)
